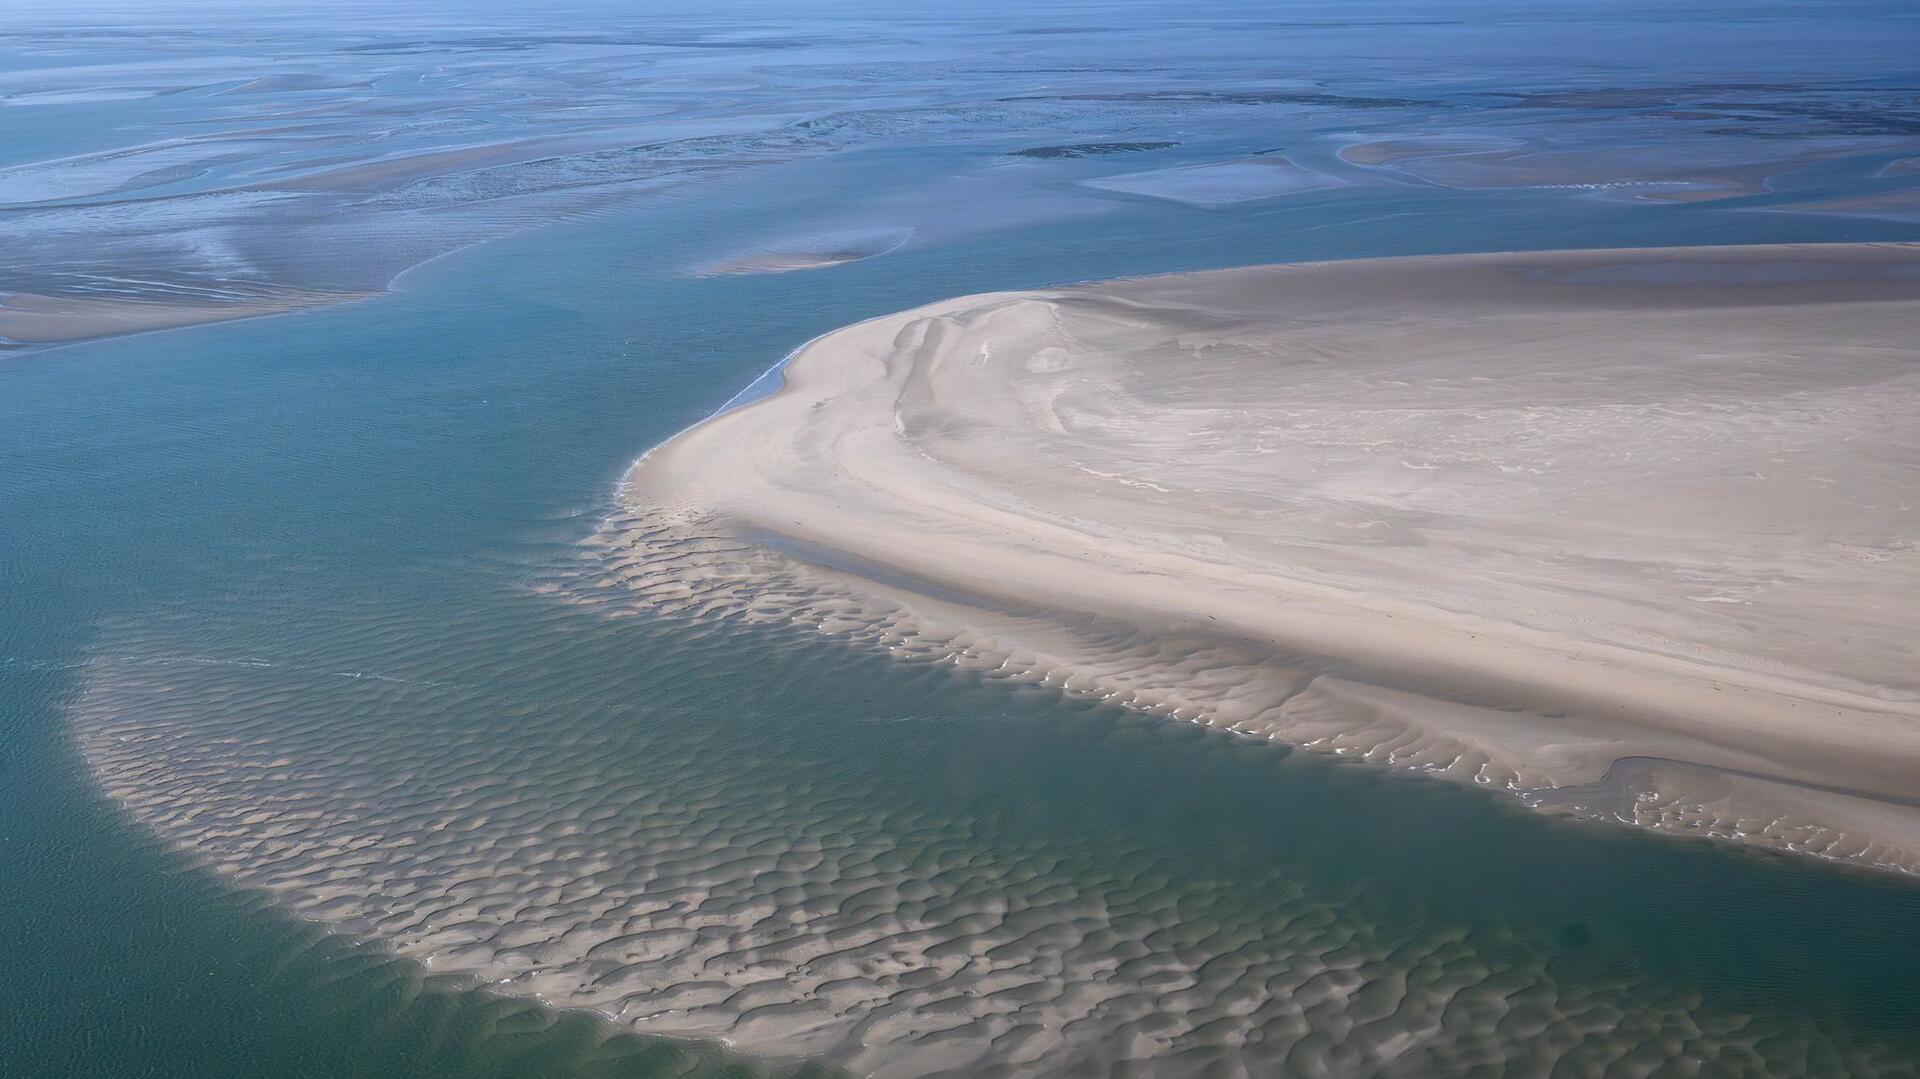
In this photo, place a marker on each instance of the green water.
(328, 532)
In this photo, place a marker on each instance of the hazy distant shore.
(1630, 533)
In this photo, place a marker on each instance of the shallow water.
(326, 570)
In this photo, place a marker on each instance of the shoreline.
(893, 451)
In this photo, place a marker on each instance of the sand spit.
(1629, 533)
(29, 319)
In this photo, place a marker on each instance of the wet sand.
(1704, 172)
(1886, 206)
(1627, 533)
(28, 319)
(815, 252)
(1221, 183)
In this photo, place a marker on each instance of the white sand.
(1512, 518)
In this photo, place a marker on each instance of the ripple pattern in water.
(632, 816)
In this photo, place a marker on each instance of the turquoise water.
(353, 539)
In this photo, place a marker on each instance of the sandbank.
(814, 252)
(1511, 518)
(1635, 173)
(29, 319)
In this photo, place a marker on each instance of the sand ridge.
(28, 319)
(1512, 517)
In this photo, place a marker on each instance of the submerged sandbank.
(1514, 518)
(29, 319)
(815, 252)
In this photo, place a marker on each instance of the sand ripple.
(691, 885)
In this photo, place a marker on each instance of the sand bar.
(1513, 518)
(29, 319)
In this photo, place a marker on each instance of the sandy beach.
(1628, 533)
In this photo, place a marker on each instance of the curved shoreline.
(1486, 515)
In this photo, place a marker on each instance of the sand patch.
(1074, 150)
(812, 252)
(1653, 173)
(28, 319)
(1388, 152)
(1886, 206)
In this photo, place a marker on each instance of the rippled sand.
(686, 880)
(1512, 518)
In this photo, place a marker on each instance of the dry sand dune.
(1630, 533)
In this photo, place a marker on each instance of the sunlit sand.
(1511, 518)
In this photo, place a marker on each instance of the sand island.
(1629, 533)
